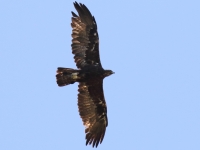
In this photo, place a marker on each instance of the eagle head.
(108, 73)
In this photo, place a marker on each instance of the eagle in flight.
(90, 74)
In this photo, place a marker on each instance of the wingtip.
(94, 140)
(76, 3)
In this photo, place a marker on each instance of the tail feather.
(66, 76)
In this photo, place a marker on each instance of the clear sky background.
(153, 99)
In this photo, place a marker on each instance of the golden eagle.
(90, 75)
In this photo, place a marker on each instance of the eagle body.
(89, 74)
(67, 76)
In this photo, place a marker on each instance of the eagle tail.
(66, 76)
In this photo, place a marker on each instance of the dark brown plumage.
(90, 75)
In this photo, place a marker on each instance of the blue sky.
(153, 98)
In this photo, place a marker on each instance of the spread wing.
(85, 42)
(93, 110)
